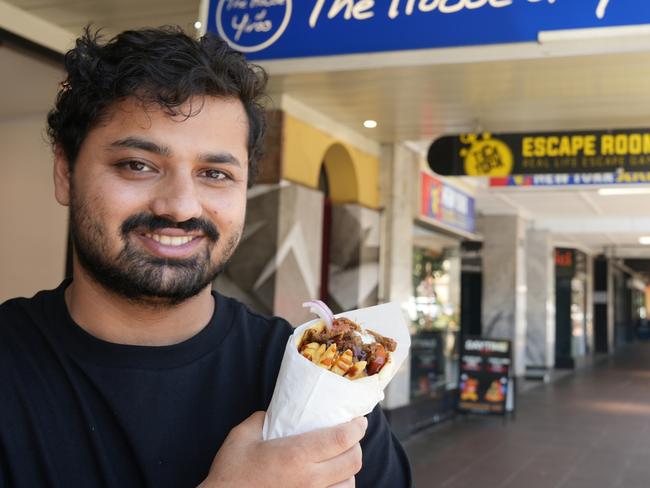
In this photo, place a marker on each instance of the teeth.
(170, 240)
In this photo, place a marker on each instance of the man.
(134, 373)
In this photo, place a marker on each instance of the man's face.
(157, 202)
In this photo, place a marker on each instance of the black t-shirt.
(76, 411)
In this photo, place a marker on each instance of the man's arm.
(384, 461)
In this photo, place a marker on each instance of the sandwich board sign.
(485, 384)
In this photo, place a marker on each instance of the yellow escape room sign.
(502, 155)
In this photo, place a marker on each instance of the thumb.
(251, 428)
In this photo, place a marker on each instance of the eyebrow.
(219, 158)
(149, 146)
(142, 144)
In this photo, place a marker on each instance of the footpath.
(590, 429)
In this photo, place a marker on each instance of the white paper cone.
(308, 397)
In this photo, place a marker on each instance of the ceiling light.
(370, 124)
(609, 192)
(197, 25)
(645, 240)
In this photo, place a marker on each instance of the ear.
(61, 177)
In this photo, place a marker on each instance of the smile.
(174, 241)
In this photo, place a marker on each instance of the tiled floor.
(590, 429)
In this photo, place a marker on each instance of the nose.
(176, 198)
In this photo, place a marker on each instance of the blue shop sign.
(280, 29)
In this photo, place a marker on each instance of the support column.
(540, 302)
(504, 283)
(611, 310)
(398, 188)
(589, 307)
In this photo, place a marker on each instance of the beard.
(134, 273)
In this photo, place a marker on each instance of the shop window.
(434, 312)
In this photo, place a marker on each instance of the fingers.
(349, 483)
(342, 467)
(328, 457)
(323, 444)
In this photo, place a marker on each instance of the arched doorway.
(338, 182)
(344, 259)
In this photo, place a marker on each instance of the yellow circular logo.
(486, 156)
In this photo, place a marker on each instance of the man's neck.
(116, 319)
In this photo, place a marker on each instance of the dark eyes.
(135, 166)
(138, 166)
(215, 174)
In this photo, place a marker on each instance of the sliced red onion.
(319, 308)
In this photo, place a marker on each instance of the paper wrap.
(308, 397)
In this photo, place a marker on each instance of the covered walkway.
(590, 429)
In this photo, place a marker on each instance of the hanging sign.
(501, 155)
(281, 29)
(445, 204)
(484, 375)
(573, 179)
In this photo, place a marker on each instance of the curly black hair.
(162, 66)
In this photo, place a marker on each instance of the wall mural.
(354, 257)
(257, 247)
(276, 267)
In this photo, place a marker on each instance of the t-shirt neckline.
(84, 345)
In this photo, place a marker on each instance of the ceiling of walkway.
(578, 218)
(421, 102)
(417, 101)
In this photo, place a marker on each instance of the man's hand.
(318, 459)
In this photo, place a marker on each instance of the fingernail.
(364, 422)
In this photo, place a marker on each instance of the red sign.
(446, 204)
(564, 258)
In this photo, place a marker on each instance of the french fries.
(341, 364)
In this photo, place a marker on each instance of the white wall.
(33, 225)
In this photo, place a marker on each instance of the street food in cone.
(343, 347)
(314, 388)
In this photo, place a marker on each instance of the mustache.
(151, 223)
